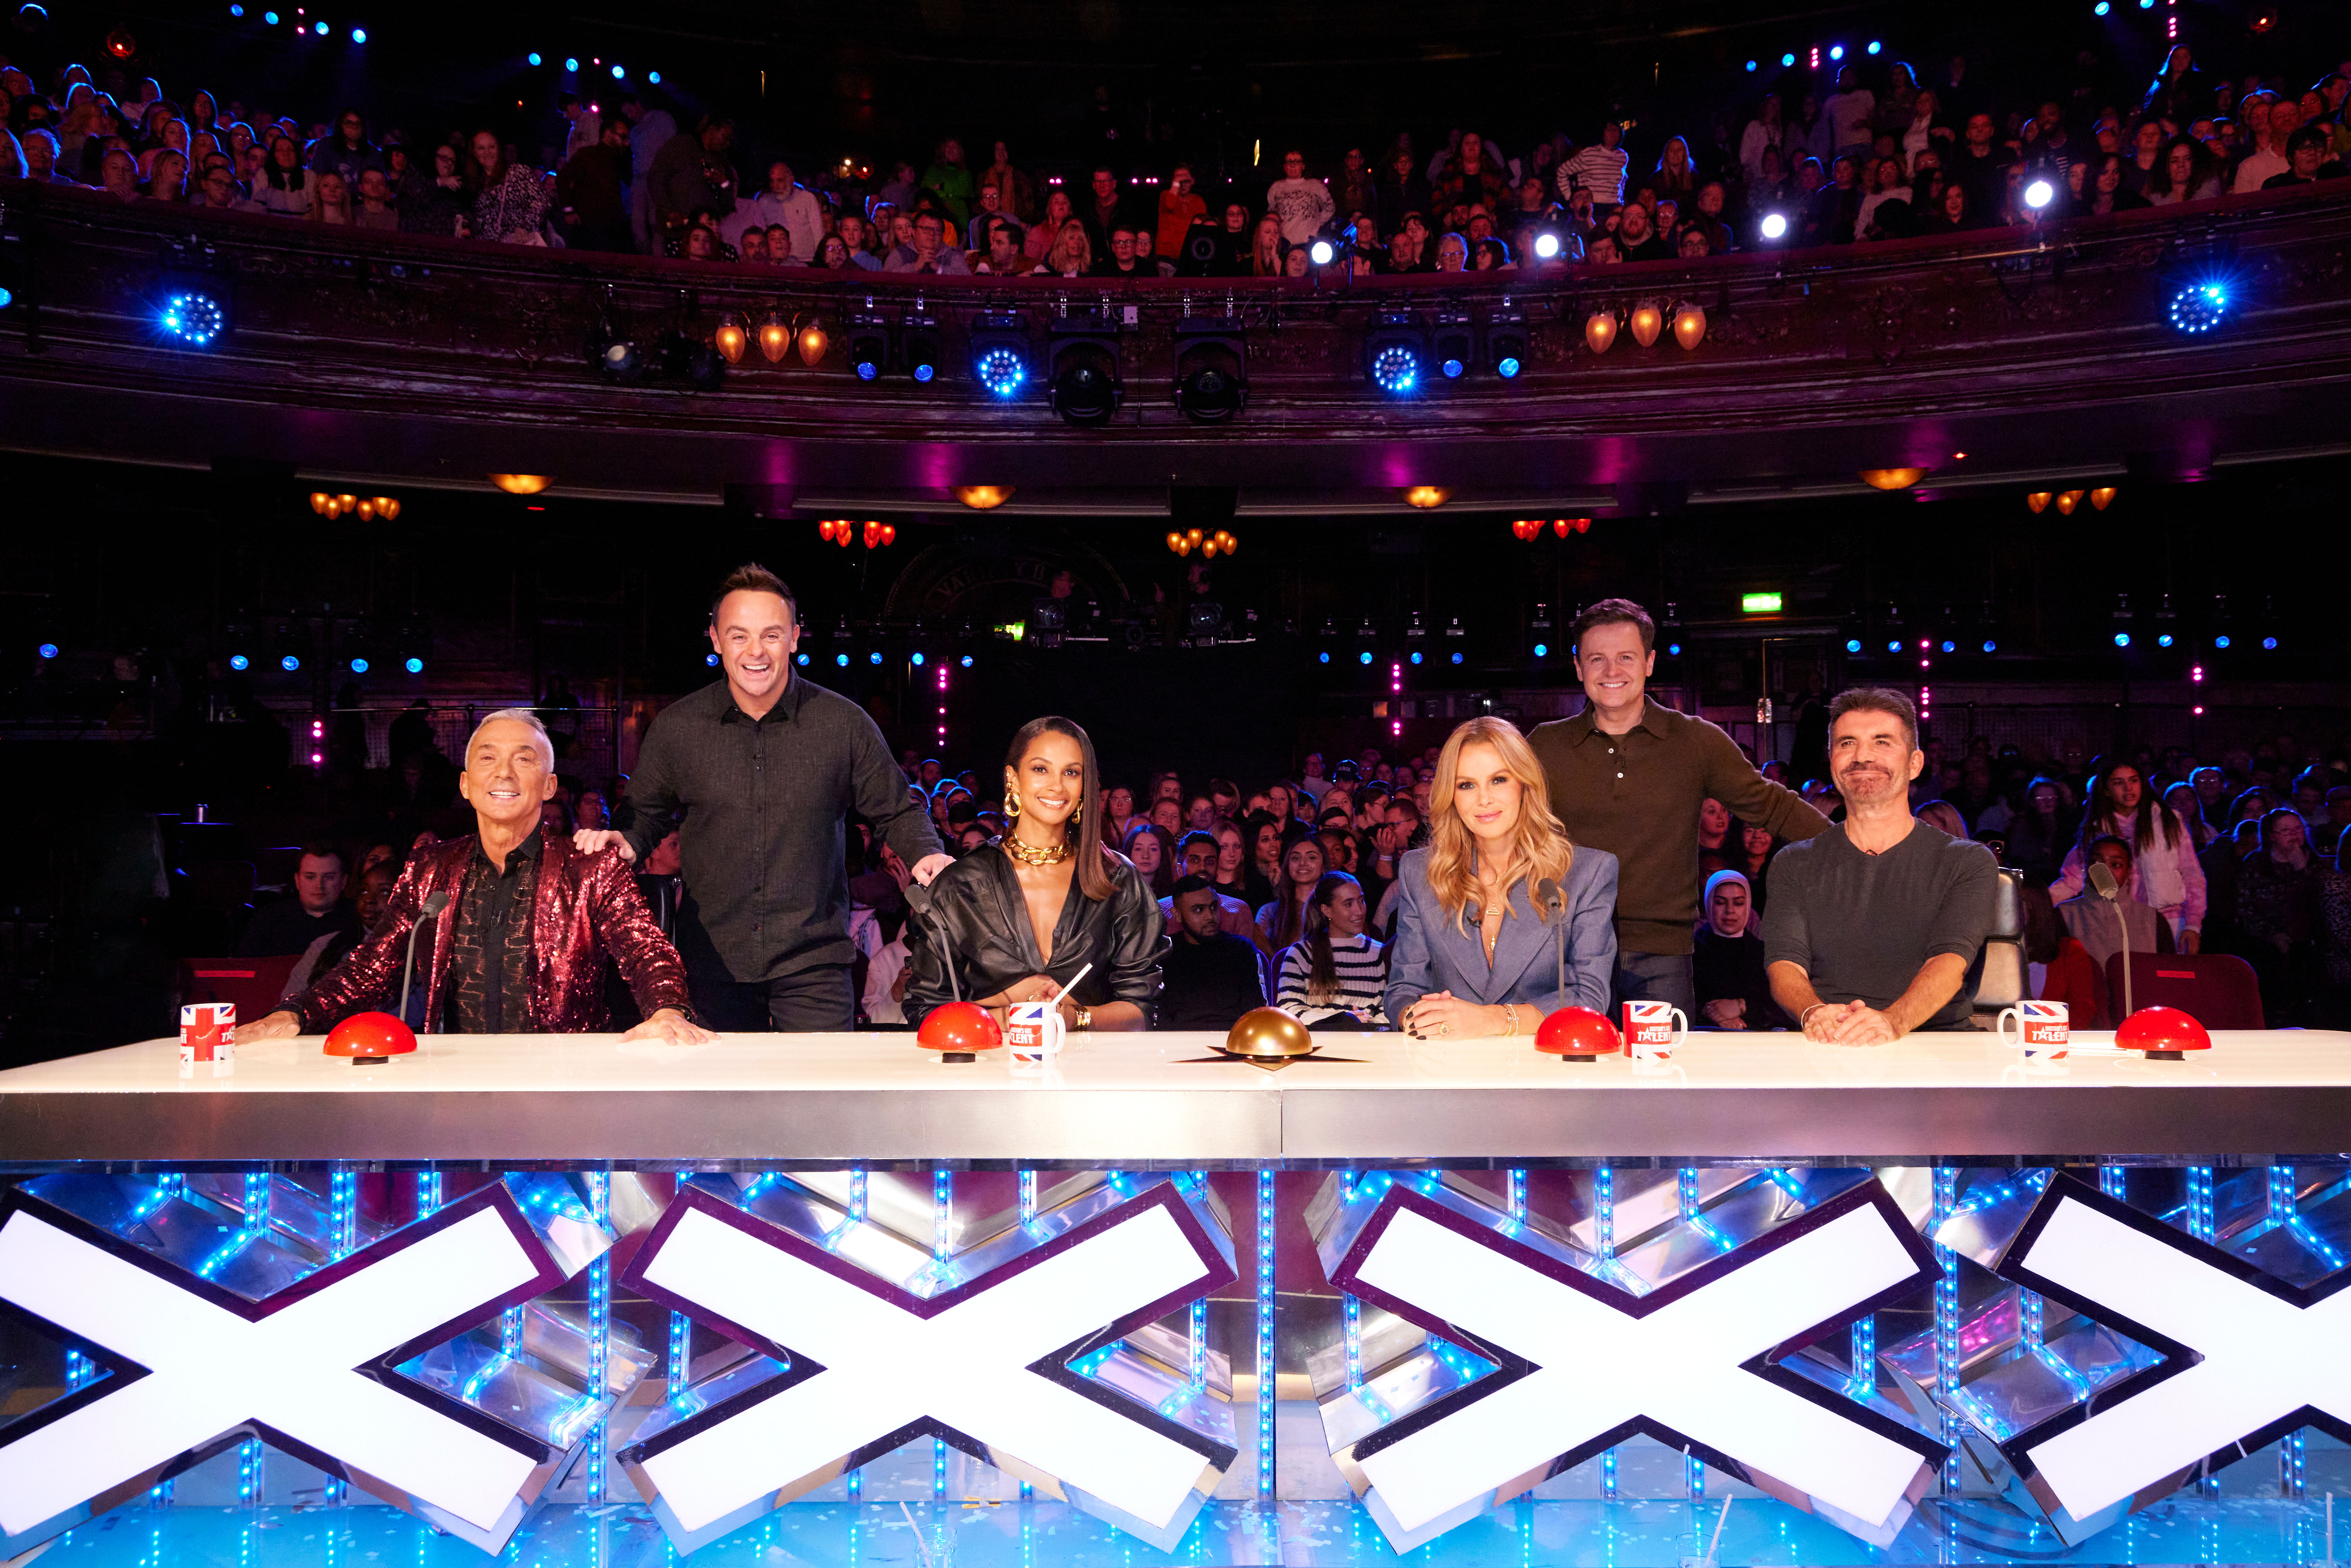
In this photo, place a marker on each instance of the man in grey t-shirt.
(1874, 925)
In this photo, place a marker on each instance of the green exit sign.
(1760, 603)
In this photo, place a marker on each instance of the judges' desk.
(830, 1298)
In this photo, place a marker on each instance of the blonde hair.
(1539, 851)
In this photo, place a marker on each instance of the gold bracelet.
(1510, 1011)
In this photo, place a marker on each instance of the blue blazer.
(1431, 954)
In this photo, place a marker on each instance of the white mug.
(1652, 1029)
(1033, 1032)
(2043, 1029)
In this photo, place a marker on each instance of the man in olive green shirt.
(1629, 777)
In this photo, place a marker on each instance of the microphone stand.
(918, 899)
(432, 911)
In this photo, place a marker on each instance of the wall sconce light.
(1647, 322)
(1600, 331)
(1426, 497)
(1689, 326)
(1895, 479)
(775, 339)
(731, 340)
(983, 498)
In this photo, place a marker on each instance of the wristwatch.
(1085, 1020)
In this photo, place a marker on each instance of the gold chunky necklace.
(1029, 854)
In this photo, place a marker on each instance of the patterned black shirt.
(489, 943)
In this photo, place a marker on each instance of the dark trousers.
(817, 1000)
(1656, 977)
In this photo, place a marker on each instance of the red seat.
(254, 985)
(2217, 989)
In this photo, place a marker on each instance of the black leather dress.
(978, 916)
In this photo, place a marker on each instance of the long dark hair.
(1289, 909)
(1163, 880)
(2099, 817)
(1093, 856)
(2199, 168)
(1323, 970)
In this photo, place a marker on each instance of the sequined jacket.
(586, 909)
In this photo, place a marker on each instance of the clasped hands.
(1848, 1023)
(1441, 1014)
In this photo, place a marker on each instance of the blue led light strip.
(1692, 1215)
(1863, 1385)
(1265, 1367)
(1027, 1197)
(1518, 1199)
(2199, 1203)
(2110, 1180)
(342, 1219)
(2285, 1210)
(249, 1471)
(1946, 1319)
(681, 1347)
(1603, 1240)
(599, 1333)
(1351, 1311)
(942, 1244)
(428, 1193)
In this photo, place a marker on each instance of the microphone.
(2103, 882)
(431, 910)
(918, 900)
(1549, 896)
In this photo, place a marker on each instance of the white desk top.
(1137, 1098)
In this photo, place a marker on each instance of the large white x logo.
(2265, 1361)
(287, 1364)
(884, 1366)
(1597, 1362)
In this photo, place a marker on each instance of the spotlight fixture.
(1547, 243)
(1506, 343)
(1395, 349)
(869, 346)
(1774, 225)
(120, 43)
(521, 483)
(1321, 251)
(1048, 622)
(1211, 369)
(2201, 307)
(413, 664)
(1085, 387)
(1892, 478)
(1451, 346)
(2039, 193)
(983, 498)
(918, 335)
(194, 319)
(1000, 354)
(1427, 496)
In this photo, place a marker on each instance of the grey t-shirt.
(1863, 925)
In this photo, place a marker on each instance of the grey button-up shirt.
(767, 803)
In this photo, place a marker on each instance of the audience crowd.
(1880, 150)
(1286, 894)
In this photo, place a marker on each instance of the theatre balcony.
(2159, 344)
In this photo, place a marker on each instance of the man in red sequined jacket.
(523, 926)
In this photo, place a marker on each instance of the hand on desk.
(1441, 1014)
(1728, 1012)
(283, 1024)
(588, 840)
(1849, 1023)
(670, 1027)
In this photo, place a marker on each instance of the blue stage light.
(47, 650)
(1364, 657)
(1542, 649)
(874, 657)
(1396, 369)
(966, 661)
(1453, 369)
(1507, 367)
(1949, 647)
(1990, 646)
(867, 369)
(532, 57)
(710, 659)
(2270, 643)
(359, 34)
(1324, 657)
(289, 663)
(1894, 646)
(1853, 645)
(239, 663)
(617, 73)
(1836, 51)
(1787, 59)
(269, 18)
(2220, 641)
(918, 658)
(2199, 306)
(2163, 640)
(7, 300)
(1874, 46)
(1002, 370)
(194, 319)
(415, 667)
(841, 660)
(800, 659)
(359, 666)
(2100, 9)
(2122, 639)
(1751, 65)
(1673, 650)
(1457, 658)
(237, 11)
(653, 76)
(320, 28)
(570, 64)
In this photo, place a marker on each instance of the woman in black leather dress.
(1018, 917)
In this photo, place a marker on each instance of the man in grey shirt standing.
(1873, 924)
(766, 769)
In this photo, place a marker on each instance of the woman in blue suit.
(1476, 943)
